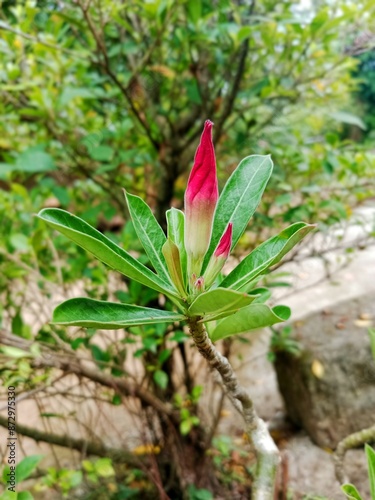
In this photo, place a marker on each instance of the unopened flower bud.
(200, 201)
(219, 256)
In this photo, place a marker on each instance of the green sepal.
(172, 258)
(176, 233)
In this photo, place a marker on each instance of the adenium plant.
(187, 265)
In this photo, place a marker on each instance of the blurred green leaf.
(34, 160)
(351, 492)
(27, 466)
(370, 454)
(161, 378)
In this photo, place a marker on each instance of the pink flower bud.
(199, 284)
(219, 257)
(200, 201)
(223, 248)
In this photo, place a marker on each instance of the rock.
(329, 390)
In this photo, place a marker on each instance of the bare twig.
(81, 445)
(49, 359)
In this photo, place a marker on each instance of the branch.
(229, 101)
(352, 441)
(81, 445)
(105, 64)
(49, 359)
(267, 453)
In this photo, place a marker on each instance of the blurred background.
(99, 95)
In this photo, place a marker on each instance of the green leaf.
(371, 332)
(219, 302)
(8, 495)
(149, 233)
(34, 160)
(262, 295)
(104, 468)
(24, 495)
(27, 466)
(349, 118)
(249, 318)
(103, 248)
(90, 313)
(70, 93)
(6, 169)
(20, 242)
(370, 454)
(319, 20)
(266, 255)
(176, 233)
(101, 153)
(185, 427)
(239, 199)
(194, 10)
(351, 492)
(161, 378)
(15, 352)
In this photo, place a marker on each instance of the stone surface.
(329, 390)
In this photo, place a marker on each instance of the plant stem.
(354, 440)
(267, 453)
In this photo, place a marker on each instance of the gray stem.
(352, 441)
(267, 453)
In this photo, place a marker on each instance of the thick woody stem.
(267, 453)
(352, 441)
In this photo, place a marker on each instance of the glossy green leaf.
(219, 302)
(249, 318)
(239, 199)
(103, 248)
(149, 233)
(265, 255)
(90, 313)
(370, 454)
(176, 232)
(351, 492)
